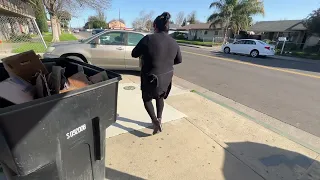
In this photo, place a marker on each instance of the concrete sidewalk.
(211, 142)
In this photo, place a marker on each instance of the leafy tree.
(234, 14)
(99, 24)
(313, 22)
(96, 22)
(40, 16)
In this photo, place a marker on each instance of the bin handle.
(96, 138)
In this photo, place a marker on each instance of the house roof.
(278, 26)
(117, 21)
(200, 26)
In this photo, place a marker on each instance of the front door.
(234, 47)
(239, 46)
(249, 46)
(132, 40)
(110, 51)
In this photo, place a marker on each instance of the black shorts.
(148, 96)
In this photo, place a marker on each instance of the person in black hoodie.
(158, 53)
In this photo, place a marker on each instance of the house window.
(205, 32)
(216, 33)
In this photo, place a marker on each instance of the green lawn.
(199, 43)
(38, 46)
(67, 37)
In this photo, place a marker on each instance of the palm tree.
(234, 14)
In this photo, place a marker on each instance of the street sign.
(282, 39)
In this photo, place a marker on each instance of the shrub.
(180, 36)
(268, 41)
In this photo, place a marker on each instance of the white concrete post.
(35, 23)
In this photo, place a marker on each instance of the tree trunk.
(225, 35)
(59, 28)
(54, 27)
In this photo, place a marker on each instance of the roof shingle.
(278, 26)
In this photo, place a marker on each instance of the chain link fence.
(20, 34)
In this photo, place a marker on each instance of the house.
(204, 32)
(173, 28)
(115, 24)
(294, 30)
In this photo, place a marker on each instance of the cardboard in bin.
(16, 90)
(24, 65)
(77, 81)
(101, 76)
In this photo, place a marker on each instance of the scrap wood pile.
(26, 78)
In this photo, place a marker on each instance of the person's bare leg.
(160, 106)
(150, 109)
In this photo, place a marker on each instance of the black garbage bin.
(59, 137)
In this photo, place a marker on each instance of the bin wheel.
(77, 57)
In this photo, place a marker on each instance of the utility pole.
(119, 20)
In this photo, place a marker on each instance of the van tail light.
(267, 47)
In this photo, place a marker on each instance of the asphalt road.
(285, 90)
(83, 34)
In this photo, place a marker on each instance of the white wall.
(205, 35)
(312, 41)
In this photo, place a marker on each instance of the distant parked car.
(251, 47)
(108, 49)
(76, 31)
(96, 31)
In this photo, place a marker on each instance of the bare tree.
(55, 6)
(192, 18)
(100, 15)
(149, 25)
(180, 18)
(143, 22)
